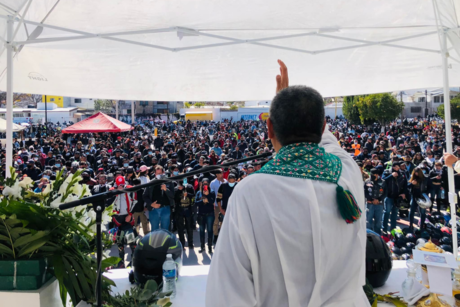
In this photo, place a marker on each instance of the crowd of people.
(400, 162)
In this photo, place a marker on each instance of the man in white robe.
(284, 242)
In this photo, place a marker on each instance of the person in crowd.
(205, 203)
(396, 184)
(123, 219)
(158, 200)
(183, 196)
(215, 185)
(374, 189)
(418, 186)
(224, 193)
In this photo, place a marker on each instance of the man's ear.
(271, 131)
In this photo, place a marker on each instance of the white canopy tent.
(219, 50)
(16, 128)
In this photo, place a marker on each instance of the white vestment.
(284, 243)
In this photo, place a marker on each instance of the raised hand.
(282, 80)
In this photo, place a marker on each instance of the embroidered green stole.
(310, 161)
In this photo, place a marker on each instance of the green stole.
(310, 161)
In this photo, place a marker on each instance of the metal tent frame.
(18, 18)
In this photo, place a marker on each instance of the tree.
(187, 105)
(103, 105)
(381, 107)
(350, 109)
(454, 108)
(233, 107)
(199, 104)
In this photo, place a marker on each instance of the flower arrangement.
(32, 227)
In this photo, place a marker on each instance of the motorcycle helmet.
(421, 241)
(378, 260)
(446, 248)
(431, 218)
(424, 202)
(395, 250)
(411, 238)
(405, 257)
(439, 226)
(446, 241)
(404, 203)
(396, 231)
(446, 231)
(400, 240)
(150, 254)
(410, 246)
(395, 257)
(407, 231)
(404, 250)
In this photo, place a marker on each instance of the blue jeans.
(162, 215)
(374, 217)
(389, 208)
(206, 222)
(414, 206)
(436, 191)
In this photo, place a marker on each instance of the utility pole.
(46, 110)
(426, 103)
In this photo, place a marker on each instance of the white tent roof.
(219, 50)
(16, 128)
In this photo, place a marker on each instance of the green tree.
(381, 107)
(103, 105)
(350, 109)
(454, 108)
(187, 105)
(233, 107)
(199, 104)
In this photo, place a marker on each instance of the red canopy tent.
(99, 122)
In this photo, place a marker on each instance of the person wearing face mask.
(374, 189)
(183, 195)
(409, 165)
(224, 193)
(357, 147)
(148, 157)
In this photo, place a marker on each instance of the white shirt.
(215, 185)
(284, 243)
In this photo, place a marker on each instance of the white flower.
(106, 218)
(14, 191)
(47, 190)
(55, 203)
(77, 189)
(25, 183)
(92, 215)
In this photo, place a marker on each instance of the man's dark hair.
(297, 115)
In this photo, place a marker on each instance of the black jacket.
(395, 186)
(375, 190)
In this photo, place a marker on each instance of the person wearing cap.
(278, 242)
(374, 189)
(122, 218)
(396, 183)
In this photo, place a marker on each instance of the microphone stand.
(99, 204)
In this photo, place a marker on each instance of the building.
(58, 100)
(417, 101)
(157, 107)
(53, 113)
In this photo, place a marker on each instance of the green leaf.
(16, 232)
(81, 278)
(151, 285)
(4, 238)
(167, 304)
(145, 295)
(5, 250)
(49, 249)
(108, 262)
(24, 223)
(12, 222)
(29, 238)
(31, 247)
(73, 278)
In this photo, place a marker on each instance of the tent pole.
(9, 95)
(116, 109)
(132, 112)
(447, 116)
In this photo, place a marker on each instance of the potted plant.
(38, 241)
(149, 296)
